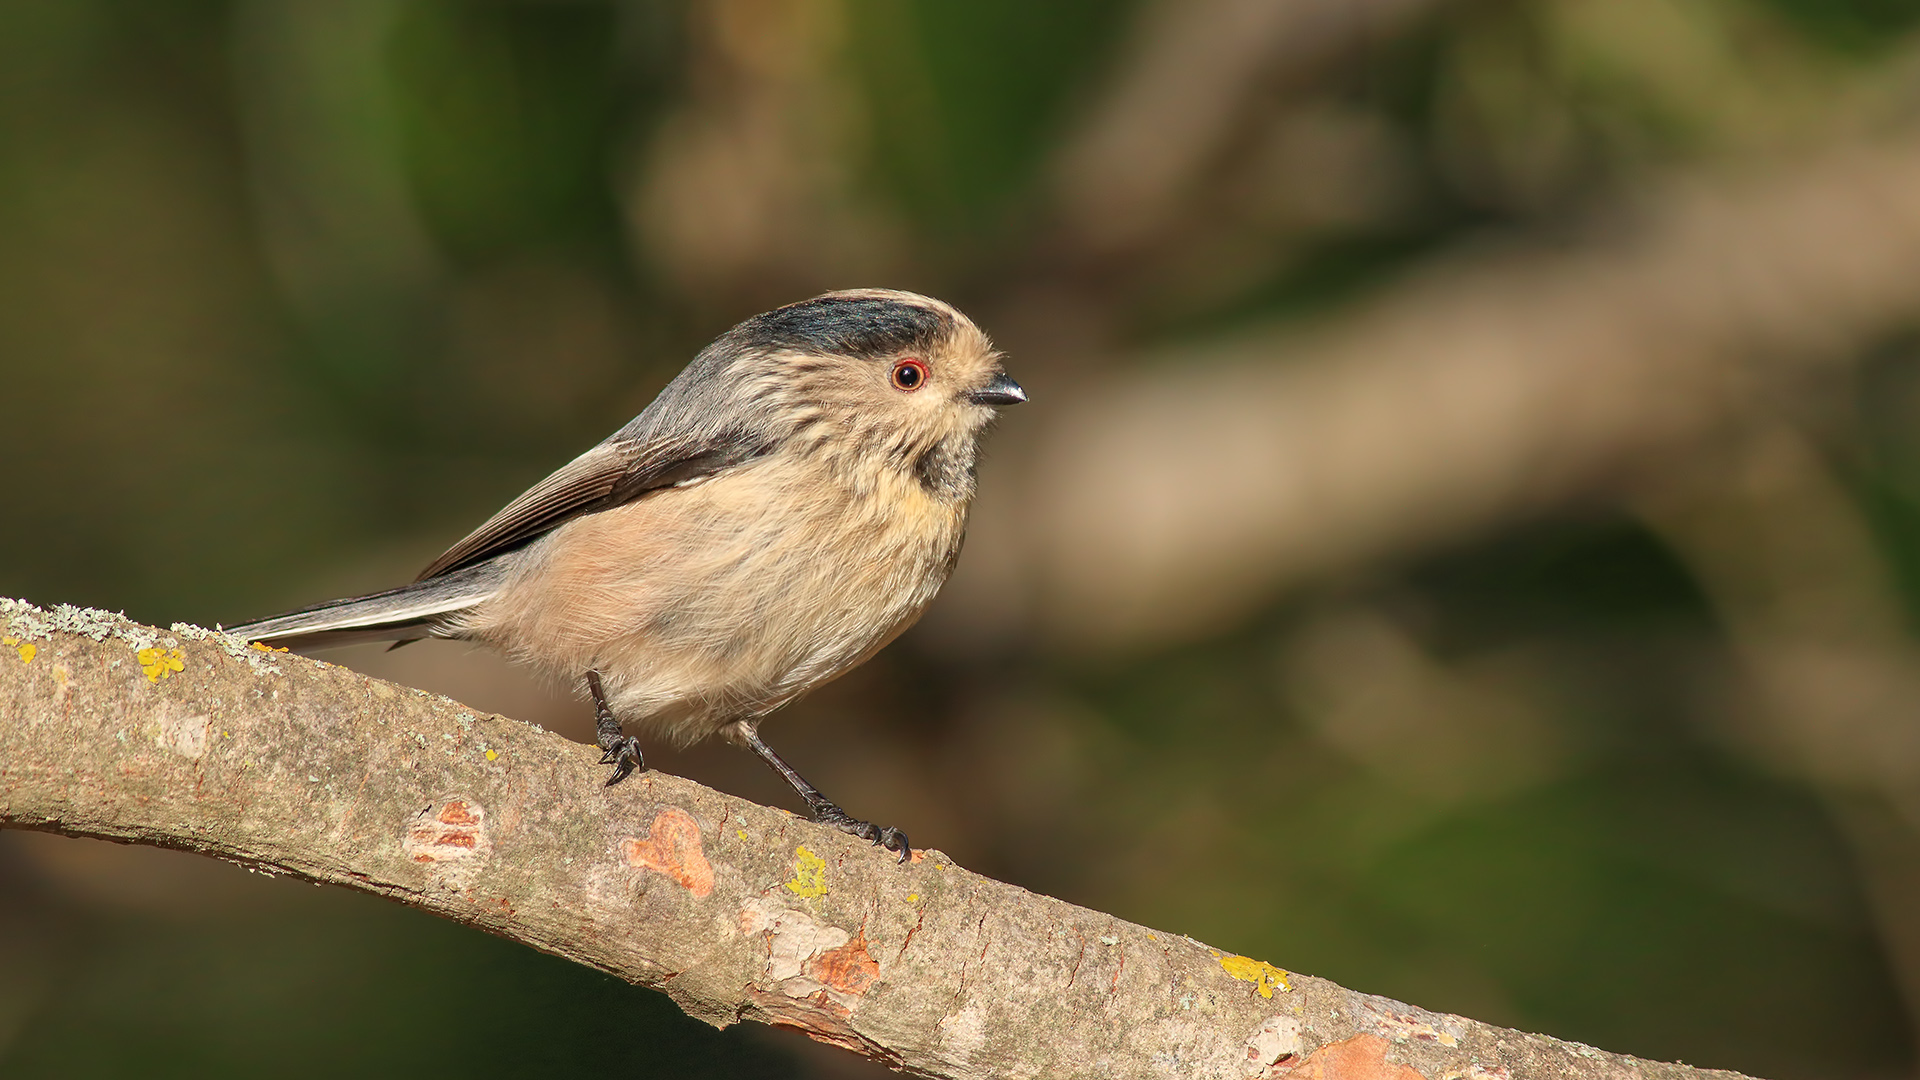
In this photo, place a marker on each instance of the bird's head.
(877, 372)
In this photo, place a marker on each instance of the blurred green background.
(1464, 543)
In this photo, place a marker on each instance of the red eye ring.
(909, 375)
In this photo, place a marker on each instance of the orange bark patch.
(848, 969)
(454, 831)
(1363, 1057)
(672, 847)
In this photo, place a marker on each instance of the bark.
(188, 738)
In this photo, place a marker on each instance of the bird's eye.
(909, 375)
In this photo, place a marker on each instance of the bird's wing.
(613, 473)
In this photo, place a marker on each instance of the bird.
(788, 505)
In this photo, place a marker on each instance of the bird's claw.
(623, 753)
(885, 836)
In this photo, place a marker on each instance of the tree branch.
(191, 739)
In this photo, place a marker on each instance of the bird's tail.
(404, 614)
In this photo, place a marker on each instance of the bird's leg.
(822, 809)
(618, 749)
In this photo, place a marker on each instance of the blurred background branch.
(1466, 539)
(1188, 78)
(1174, 500)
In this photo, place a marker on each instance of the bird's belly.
(724, 600)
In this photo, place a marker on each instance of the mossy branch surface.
(188, 738)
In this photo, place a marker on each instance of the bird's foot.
(886, 836)
(819, 807)
(618, 749)
(623, 753)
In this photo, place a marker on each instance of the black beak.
(1000, 391)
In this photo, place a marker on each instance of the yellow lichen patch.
(913, 898)
(809, 874)
(263, 647)
(1264, 976)
(27, 649)
(492, 754)
(158, 663)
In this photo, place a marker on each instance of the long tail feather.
(406, 613)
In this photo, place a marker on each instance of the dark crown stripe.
(846, 326)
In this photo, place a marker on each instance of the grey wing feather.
(684, 435)
(585, 481)
(689, 431)
(615, 472)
